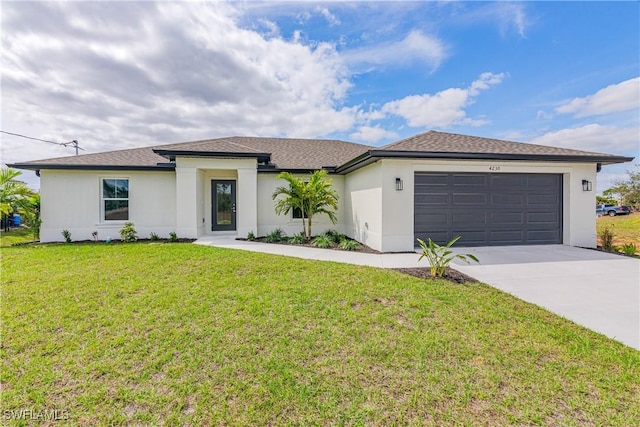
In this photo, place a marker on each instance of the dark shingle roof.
(285, 153)
(310, 154)
(139, 157)
(442, 142)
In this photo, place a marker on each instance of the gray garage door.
(488, 209)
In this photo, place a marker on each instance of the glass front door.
(223, 205)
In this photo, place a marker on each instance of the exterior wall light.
(398, 184)
(586, 185)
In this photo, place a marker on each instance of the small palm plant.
(312, 197)
(440, 257)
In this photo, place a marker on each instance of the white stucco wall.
(268, 220)
(370, 209)
(363, 205)
(70, 200)
(397, 206)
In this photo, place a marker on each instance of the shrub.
(251, 237)
(154, 237)
(297, 239)
(349, 245)
(128, 233)
(440, 257)
(629, 248)
(275, 236)
(606, 237)
(322, 242)
(173, 237)
(335, 236)
(67, 236)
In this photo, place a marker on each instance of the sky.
(116, 75)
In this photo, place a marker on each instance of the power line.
(73, 143)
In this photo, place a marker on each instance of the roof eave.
(172, 154)
(43, 166)
(374, 155)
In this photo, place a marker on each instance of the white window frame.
(103, 199)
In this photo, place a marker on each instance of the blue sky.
(122, 74)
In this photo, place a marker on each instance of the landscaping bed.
(449, 274)
(328, 240)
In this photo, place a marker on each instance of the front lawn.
(16, 236)
(626, 228)
(180, 334)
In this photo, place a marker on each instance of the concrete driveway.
(598, 290)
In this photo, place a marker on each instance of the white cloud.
(415, 47)
(372, 134)
(623, 96)
(513, 16)
(543, 115)
(443, 109)
(132, 74)
(331, 18)
(594, 137)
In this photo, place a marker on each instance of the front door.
(223, 205)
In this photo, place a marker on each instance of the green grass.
(180, 334)
(626, 228)
(16, 235)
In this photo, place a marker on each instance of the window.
(115, 199)
(297, 213)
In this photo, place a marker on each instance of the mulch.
(362, 248)
(449, 274)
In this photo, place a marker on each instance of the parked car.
(612, 210)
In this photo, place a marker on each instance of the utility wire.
(73, 143)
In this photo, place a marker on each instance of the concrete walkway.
(597, 290)
(594, 289)
(358, 258)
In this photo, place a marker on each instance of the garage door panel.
(432, 199)
(468, 217)
(542, 199)
(469, 180)
(504, 217)
(507, 199)
(432, 180)
(469, 199)
(469, 238)
(507, 236)
(489, 209)
(544, 236)
(507, 181)
(534, 181)
(436, 236)
(432, 218)
(542, 217)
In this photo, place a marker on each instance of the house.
(435, 184)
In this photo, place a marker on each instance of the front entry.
(223, 205)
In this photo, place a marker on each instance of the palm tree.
(320, 198)
(293, 196)
(14, 195)
(316, 196)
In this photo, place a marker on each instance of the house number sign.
(494, 168)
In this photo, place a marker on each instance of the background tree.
(627, 190)
(608, 200)
(32, 216)
(15, 196)
(317, 196)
